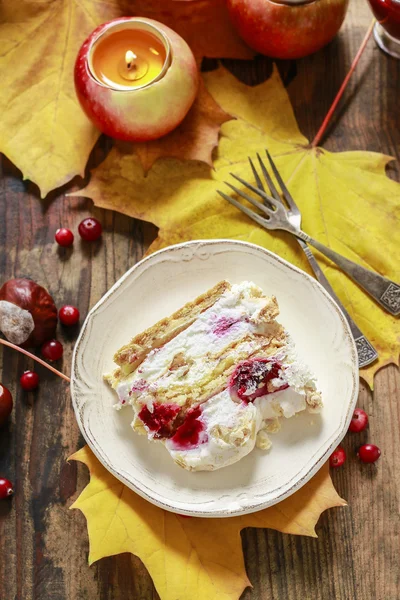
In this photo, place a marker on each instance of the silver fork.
(365, 350)
(383, 290)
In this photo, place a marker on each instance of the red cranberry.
(359, 421)
(6, 488)
(337, 458)
(90, 229)
(368, 453)
(64, 237)
(29, 381)
(68, 315)
(52, 350)
(6, 404)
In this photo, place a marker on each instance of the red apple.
(287, 30)
(140, 114)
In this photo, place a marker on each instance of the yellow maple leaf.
(346, 199)
(195, 558)
(43, 130)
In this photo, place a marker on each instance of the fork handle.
(365, 350)
(383, 290)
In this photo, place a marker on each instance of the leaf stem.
(328, 117)
(39, 360)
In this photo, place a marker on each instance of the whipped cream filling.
(230, 429)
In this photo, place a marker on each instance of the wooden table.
(43, 545)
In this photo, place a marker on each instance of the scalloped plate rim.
(258, 505)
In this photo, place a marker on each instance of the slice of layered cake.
(211, 381)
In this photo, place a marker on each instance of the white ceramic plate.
(154, 288)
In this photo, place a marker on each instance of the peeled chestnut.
(36, 303)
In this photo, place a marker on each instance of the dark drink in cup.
(387, 29)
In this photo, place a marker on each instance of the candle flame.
(130, 57)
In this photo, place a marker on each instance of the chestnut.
(35, 300)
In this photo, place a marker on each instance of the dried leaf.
(346, 199)
(194, 139)
(188, 558)
(43, 130)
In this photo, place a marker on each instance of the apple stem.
(357, 57)
(39, 360)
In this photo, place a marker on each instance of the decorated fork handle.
(383, 290)
(365, 350)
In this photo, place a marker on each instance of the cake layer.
(130, 356)
(197, 362)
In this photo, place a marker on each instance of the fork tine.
(285, 191)
(268, 179)
(256, 175)
(255, 203)
(250, 213)
(257, 191)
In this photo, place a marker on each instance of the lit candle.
(135, 78)
(128, 58)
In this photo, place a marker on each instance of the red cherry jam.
(251, 378)
(223, 324)
(191, 433)
(160, 420)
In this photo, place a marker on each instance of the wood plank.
(43, 545)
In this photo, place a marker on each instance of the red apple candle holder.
(287, 28)
(135, 78)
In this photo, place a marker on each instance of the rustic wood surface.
(43, 545)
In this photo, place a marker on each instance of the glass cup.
(387, 28)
